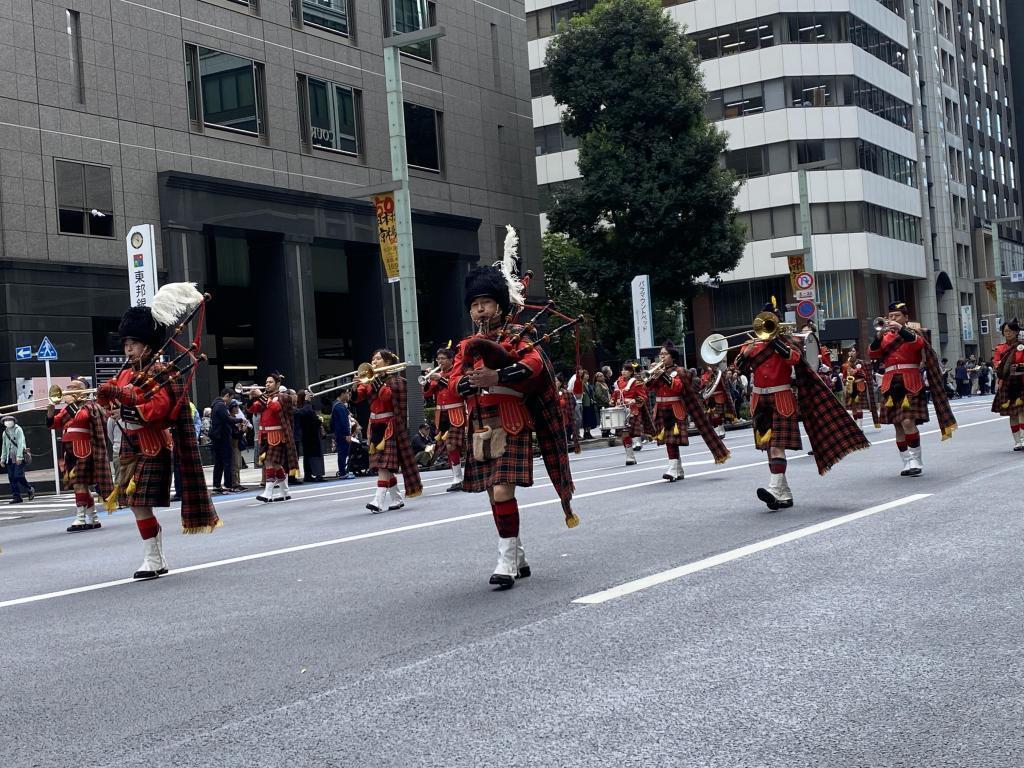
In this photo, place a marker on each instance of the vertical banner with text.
(141, 243)
(643, 322)
(387, 231)
(796, 267)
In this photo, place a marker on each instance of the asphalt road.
(876, 623)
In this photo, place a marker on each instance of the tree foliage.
(653, 198)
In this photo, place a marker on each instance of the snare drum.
(613, 418)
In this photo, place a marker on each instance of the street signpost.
(47, 352)
(22, 353)
(805, 309)
(1017, 276)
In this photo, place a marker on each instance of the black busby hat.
(138, 324)
(489, 282)
(1013, 325)
(771, 306)
(900, 306)
(670, 347)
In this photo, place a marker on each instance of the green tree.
(653, 198)
(561, 259)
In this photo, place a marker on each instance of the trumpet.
(655, 371)
(880, 324)
(426, 376)
(244, 390)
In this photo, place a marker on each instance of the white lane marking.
(735, 554)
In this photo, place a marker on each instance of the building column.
(298, 270)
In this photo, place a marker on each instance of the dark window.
(332, 116)
(540, 83)
(409, 16)
(228, 93)
(810, 152)
(423, 137)
(331, 15)
(85, 199)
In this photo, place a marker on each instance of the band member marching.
(903, 351)
(157, 418)
(719, 404)
(675, 400)
(630, 393)
(1008, 362)
(567, 407)
(390, 448)
(81, 425)
(858, 387)
(833, 434)
(509, 389)
(276, 439)
(449, 414)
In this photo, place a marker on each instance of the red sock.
(1015, 428)
(901, 445)
(383, 484)
(506, 518)
(148, 527)
(392, 482)
(454, 457)
(777, 466)
(627, 441)
(913, 439)
(673, 451)
(83, 499)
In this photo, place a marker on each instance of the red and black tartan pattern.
(152, 475)
(665, 424)
(397, 454)
(455, 437)
(719, 413)
(831, 431)
(641, 424)
(785, 429)
(1009, 398)
(384, 456)
(897, 412)
(514, 467)
(274, 454)
(93, 470)
(854, 404)
(700, 418)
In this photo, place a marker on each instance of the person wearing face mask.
(13, 458)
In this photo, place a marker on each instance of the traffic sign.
(805, 309)
(804, 281)
(46, 350)
(23, 353)
(804, 295)
(1017, 276)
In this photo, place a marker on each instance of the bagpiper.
(903, 351)
(1008, 362)
(718, 402)
(276, 436)
(631, 394)
(449, 414)
(773, 364)
(157, 419)
(675, 401)
(82, 427)
(390, 447)
(508, 384)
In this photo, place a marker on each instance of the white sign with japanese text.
(141, 244)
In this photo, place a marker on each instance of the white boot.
(268, 493)
(456, 478)
(92, 518)
(160, 548)
(397, 502)
(775, 495)
(905, 455)
(377, 505)
(507, 569)
(674, 471)
(1018, 440)
(630, 456)
(285, 494)
(522, 566)
(80, 523)
(151, 560)
(720, 430)
(915, 465)
(785, 495)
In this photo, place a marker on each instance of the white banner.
(967, 321)
(141, 245)
(643, 322)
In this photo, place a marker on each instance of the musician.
(855, 384)
(1008, 362)
(567, 407)
(676, 399)
(903, 351)
(719, 403)
(630, 393)
(156, 419)
(390, 448)
(276, 436)
(449, 414)
(81, 425)
(509, 390)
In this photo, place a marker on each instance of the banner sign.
(387, 231)
(796, 268)
(141, 245)
(967, 321)
(643, 320)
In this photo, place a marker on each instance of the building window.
(409, 16)
(332, 116)
(229, 90)
(836, 293)
(74, 21)
(423, 137)
(540, 83)
(85, 199)
(331, 15)
(548, 139)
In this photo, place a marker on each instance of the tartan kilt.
(456, 439)
(385, 457)
(634, 425)
(785, 429)
(274, 454)
(666, 421)
(84, 469)
(896, 413)
(514, 467)
(152, 475)
(1004, 402)
(855, 404)
(719, 412)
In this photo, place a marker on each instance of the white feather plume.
(173, 301)
(507, 265)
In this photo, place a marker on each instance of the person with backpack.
(13, 458)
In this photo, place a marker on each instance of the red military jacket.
(668, 395)
(719, 394)
(510, 398)
(626, 391)
(1001, 349)
(75, 429)
(448, 401)
(905, 360)
(147, 421)
(776, 374)
(382, 405)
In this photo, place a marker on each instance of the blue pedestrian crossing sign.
(23, 353)
(46, 350)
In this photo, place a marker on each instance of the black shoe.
(15, 501)
(914, 472)
(146, 574)
(239, 489)
(31, 494)
(454, 487)
(95, 525)
(766, 496)
(501, 581)
(218, 489)
(631, 463)
(524, 572)
(263, 498)
(176, 497)
(374, 509)
(79, 527)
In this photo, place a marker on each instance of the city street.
(876, 623)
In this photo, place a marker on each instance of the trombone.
(364, 374)
(53, 396)
(766, 327)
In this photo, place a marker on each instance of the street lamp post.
(400, 175)
(997, 259)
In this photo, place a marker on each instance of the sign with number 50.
(387, 231)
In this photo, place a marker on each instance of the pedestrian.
(588, 406)
(341, 427)
(311, 437)
(972, 372)
(423, 446)
(205, 425)
(13, 456)
(984, 376)
(222, 428)
(241, 428)
(962, 378)
(602, 394)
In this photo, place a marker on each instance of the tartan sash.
(936, 384)
(400, 430)
(100, 459)
(197, 512)
(831, 430)
(700, 419)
